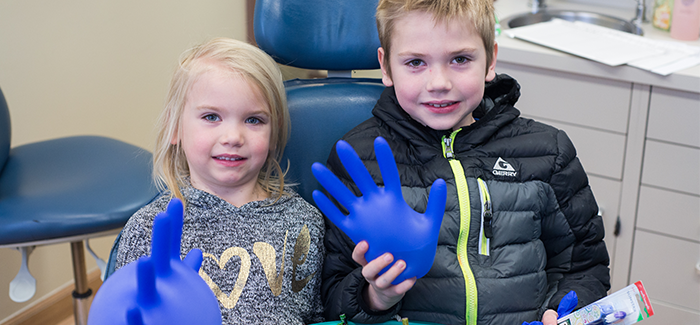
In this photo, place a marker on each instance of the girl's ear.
(175, 139)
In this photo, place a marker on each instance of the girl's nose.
(439, 80)
(232, 136)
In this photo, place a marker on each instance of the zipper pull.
(488, 219)
(447, 147)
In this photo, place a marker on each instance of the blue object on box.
(381, 216)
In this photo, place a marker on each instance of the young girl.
(220, 138)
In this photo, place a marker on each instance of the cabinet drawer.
(571, 98)
(671, 166)
(665, 314)
(674, 116)
(670, 213)
(667, 267)
(607, 195)
(603, 160)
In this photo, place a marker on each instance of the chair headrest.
(319, 34)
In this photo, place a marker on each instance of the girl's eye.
(415, 63)
(253, 120)
(212, 118)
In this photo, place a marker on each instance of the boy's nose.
(439, 80)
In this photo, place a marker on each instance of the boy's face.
(438, 70)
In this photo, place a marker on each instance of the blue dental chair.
(67, 190)
(334, 35)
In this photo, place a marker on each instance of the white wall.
(75, 67)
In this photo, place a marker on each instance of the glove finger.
(387, 166)
(175, 211)
(194, 259)
(567, 304)
(161, 243)
(436, 201)
(330, 210)
(357, 170)
(333, 185)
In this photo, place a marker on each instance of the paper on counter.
(609, 46)
(677, 56)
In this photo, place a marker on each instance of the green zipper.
(465, 217)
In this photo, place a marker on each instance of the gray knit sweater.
(245, 249)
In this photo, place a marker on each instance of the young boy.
(520, 228)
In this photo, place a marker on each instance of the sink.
(570, 15)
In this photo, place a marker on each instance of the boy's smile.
(438, 70)
(225, 134)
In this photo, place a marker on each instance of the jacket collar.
(495, 110)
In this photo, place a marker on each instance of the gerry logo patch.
(503, 168)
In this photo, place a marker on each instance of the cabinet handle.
(697, 268)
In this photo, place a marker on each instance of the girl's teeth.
(441, 105)
(226, 158)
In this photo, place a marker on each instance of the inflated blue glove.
(381, 216)
(566, 306)
(161, 288)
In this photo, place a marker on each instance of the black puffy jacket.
(544, 239)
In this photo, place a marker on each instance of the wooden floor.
(67, 321)
(56, 309)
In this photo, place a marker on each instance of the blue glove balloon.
(158, 289)
(381, 216)
(566, 306)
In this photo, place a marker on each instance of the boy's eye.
(415, 63)
(211, 117)
(461, 60)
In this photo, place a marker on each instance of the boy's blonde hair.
(170, 168)
(478, 13)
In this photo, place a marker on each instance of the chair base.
(82, 293)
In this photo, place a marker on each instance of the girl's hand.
(381, 294)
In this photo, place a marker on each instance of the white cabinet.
(594, 113)
(666, 247)
(640, 146)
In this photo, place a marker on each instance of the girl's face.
(225, 135)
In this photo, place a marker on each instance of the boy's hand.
(381, 216)
(550, 317)
(566, 306)
(381, 294)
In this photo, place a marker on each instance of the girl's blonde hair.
(170, 168)
(478, 13)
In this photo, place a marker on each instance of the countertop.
(521, 52)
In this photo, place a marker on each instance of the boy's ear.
(491, 69)
(386, 77)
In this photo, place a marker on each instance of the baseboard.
(55, 307)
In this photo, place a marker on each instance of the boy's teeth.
(441, 105)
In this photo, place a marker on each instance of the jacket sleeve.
(343, 283)
(581, 264)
